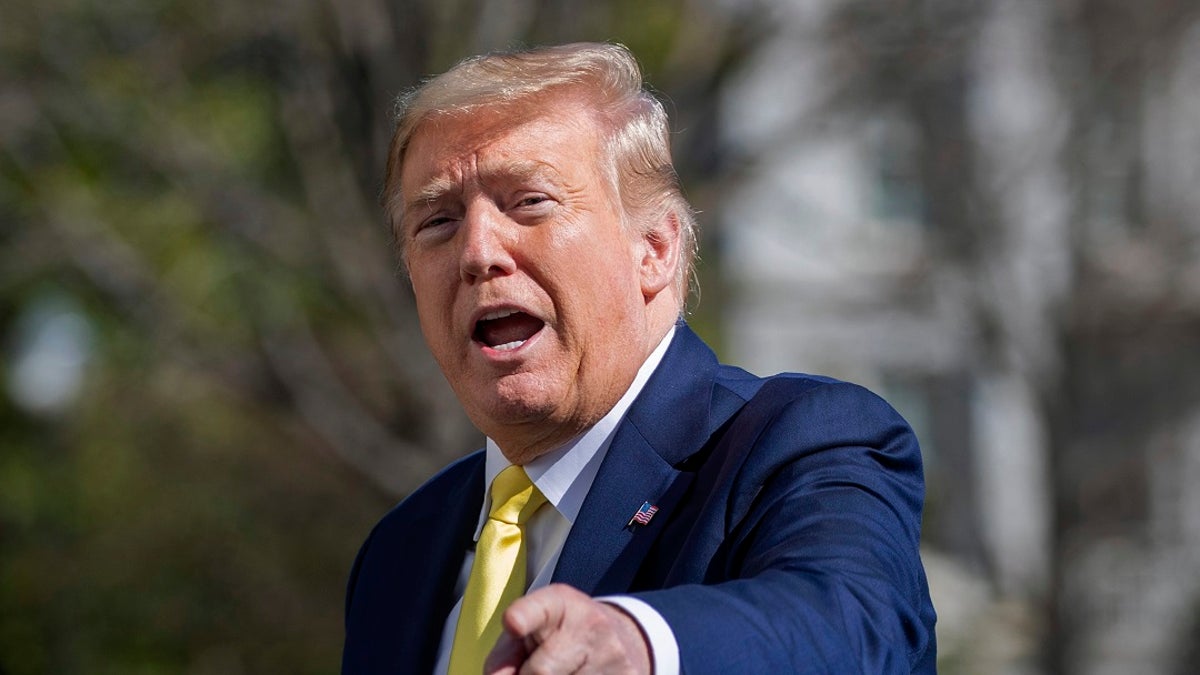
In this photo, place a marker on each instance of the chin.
(510, 409)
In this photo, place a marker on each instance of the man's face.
(528, 286)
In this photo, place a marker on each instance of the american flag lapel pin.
(643, 515)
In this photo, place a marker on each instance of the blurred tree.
(214, 382)
(192, 187)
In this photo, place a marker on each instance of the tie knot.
(514, 496)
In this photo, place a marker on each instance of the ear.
(660, 255)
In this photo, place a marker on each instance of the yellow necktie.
(498, 573)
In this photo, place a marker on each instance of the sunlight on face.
(529, 288)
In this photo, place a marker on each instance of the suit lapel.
(667, 423)
(459, 526)
(601, 554)
(426, 599)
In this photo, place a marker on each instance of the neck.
(527, 442)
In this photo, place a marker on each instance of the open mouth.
(506, 329)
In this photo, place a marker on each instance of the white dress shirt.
(565, 476)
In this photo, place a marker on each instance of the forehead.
(554, 135)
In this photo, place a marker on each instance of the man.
(660, 512)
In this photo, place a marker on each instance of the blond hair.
(637, 141)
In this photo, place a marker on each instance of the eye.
(532, 200)
(531, 205)
(433, 226)
(434, 222)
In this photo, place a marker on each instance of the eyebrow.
(431, 192)
(522, 169)
(514, 169)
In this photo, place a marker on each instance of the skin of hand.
(558, 629)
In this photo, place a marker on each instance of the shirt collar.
(565, 474)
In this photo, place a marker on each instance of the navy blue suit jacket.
(785, 541)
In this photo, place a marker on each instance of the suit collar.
(673, 413)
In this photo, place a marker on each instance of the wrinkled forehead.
(520, 137)
(499, 102)
(490, 115)
(448, 138)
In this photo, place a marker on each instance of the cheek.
(428, 277)
(434, 309)
(430, 328)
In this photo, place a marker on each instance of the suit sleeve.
(819, 570)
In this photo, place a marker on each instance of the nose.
(487, 240)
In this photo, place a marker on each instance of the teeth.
(509, 346)
(498, 314)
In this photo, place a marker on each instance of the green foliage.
(163, 527)
(198, 182)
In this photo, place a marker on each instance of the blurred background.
(212, 383)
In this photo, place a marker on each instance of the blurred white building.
(835, 265)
